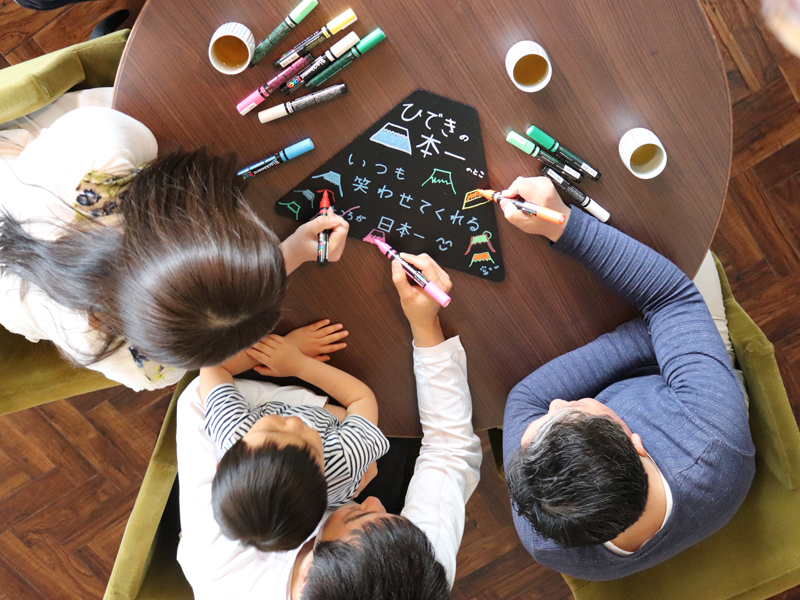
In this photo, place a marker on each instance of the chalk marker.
(289, 153)
(328, 58)
(303, 102)
(549, 144)
(289, 23)
(546, 214)
(430, 288)
(529, 147)
(262, 93)
(367, 43)
(344, 20)
(586, 203)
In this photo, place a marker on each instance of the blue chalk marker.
(276, 159)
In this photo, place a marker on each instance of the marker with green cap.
(529, 147)
(360, 48)
(548, 143)
(298, 14)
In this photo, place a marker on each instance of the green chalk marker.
(360, 48)
(289, 23)
(529, 147)
(548, 143)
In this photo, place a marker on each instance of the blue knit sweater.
(691, 417)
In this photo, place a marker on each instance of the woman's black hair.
(190, 277)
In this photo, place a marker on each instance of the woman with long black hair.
(136, 266)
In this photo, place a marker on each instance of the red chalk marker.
(324, 236)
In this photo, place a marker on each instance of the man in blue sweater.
(624, 452)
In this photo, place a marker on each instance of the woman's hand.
(541, 191)
(301, 246)
(318, 339)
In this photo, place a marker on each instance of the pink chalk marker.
(433, 290)
(257, 97)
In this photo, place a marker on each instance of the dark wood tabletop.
(616, 65)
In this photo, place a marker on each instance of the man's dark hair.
(389, 558)
(269, 497)
(579, 481)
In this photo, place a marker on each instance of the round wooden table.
(615, 66)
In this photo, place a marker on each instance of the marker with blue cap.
(276, 159)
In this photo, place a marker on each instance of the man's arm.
(448, 468)
(689, 351)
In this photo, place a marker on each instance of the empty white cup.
(642, 153)
(528, 66)
(231, 48)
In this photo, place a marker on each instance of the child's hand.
(541, 191)
(301, 246)
(420, 309)
(280, 357)
(318, 339)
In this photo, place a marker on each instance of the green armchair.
(31, 85)
(33, 374)
(757, 554)
(146, 567)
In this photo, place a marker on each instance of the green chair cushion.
(33, 374)
(755, 556)
(31, 85)
(147, 551)
(772, 423)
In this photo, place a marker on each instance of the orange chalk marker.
(546, 214)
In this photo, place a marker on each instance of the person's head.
(363, 553)
(269, 490)
(191, 277)
(578, 477)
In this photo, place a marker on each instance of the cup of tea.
(528, 66)
(231, 48)
(642, 153)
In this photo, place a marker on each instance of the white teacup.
(231, 48)
(642, 153)
(528, 66)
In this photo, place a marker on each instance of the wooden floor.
(70, 471)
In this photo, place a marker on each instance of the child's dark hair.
(191, 276)
(269, 497)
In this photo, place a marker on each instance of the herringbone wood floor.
(70, 471)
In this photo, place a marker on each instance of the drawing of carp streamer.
(446, 177)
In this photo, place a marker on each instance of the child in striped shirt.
(282, 465)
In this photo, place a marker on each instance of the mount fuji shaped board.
(410, 175)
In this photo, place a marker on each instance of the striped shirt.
(348, 447)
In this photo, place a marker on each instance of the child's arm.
(211, 377)
(281, 358)
(317, 340)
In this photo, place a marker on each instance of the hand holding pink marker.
(430, 288)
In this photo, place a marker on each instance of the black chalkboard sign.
(410, 176)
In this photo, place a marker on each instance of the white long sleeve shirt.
(41, 168)
(446, 474)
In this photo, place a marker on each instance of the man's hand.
(280, 357)
(318, 339)
(420, 309)
(541, 191)
(301, 246)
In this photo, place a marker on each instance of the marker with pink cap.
(430, 288)
(261, 94)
